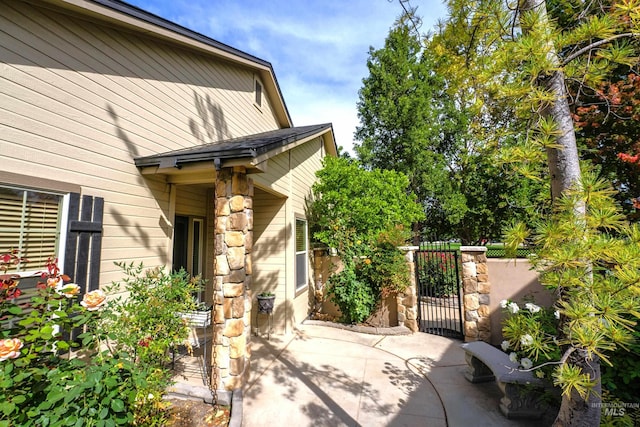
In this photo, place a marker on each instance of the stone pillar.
(476, 289)
(232, 296)
(320, 259)
(408, 300)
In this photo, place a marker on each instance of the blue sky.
(318, 48)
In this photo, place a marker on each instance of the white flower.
(150, 396)
(93, 300)
(532, 307)
(526, 363)
(505, 345)
(557, 314)
(69, 290)
(513, 357)
(513, 307)
(526, 340)
(504, 303)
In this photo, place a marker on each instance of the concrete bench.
(522, 392)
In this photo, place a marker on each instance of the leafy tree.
(401, 126)
(363, 214)
(365, 202)
(415, 110)
(530, 61)
(607, 127)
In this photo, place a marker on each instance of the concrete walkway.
(323, 376)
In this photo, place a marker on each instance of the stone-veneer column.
(476, 287)
(408, 300)
(232, 296)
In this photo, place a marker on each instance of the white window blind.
(30, 224)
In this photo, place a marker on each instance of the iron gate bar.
(439, 290)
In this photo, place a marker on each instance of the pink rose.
(93, 300)
(53, 282)
(10, 349)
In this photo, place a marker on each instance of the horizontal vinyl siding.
(306, 160)
(191, 200)
(276, 178)
(79, 100)
(268, 255)
(291, 174)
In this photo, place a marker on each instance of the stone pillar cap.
(473, 249)
(409, 248)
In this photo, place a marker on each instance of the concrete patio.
(324, 376)
(327, 376)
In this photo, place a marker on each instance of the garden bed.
(197, 413)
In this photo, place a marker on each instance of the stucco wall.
(513, 280)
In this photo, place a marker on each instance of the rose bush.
(43, 383)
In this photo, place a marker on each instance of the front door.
(188, 246)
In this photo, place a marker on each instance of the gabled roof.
(250, 151)
(121, 14)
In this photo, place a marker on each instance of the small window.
(301, 253)
(30, 223)
(258, 94)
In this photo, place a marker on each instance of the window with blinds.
(301, 253)
(30, 223)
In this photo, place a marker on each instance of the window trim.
(62, 225)
(305, 252)
(258, 93)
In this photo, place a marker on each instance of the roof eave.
(252, 158)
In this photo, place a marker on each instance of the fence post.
(408, 300)
(476, 290)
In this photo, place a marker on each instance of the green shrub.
(435, 275)
(383, 265)
(371, 271)
(363, 214)
(114, 373)
(355, 298)
(145, 322)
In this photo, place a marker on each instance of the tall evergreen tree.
(415, 119)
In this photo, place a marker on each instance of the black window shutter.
(84, 241)
(83, 245)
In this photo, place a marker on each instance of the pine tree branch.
(594, 45)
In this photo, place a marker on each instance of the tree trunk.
(564, 168)
(576, 411)
(564, 163)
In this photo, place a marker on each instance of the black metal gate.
(439, 292)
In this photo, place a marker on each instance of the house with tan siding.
(126, 137)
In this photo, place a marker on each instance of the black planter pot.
(265, 304)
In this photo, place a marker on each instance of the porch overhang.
(196, 165)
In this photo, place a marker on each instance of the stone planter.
(265, 303)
